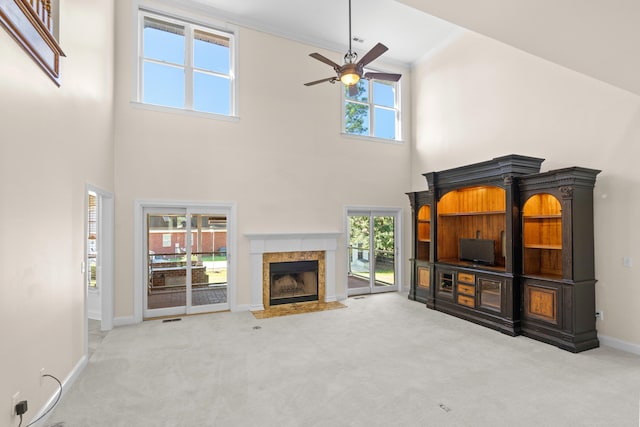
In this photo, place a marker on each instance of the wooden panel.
(541, 303)
(473, 199)
(465, 300)
(466, 289)
(467, 278)
(424, 277)
(424, 231)
(448, 239)
(543, 231)
(423, 251)
(541, 204)
(540, 261)
(424, 214)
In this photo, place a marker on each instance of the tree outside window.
(373, 111)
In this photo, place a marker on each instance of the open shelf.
(542, 235)
(423, 238)
(541, 246)
(477, 212)
(471, 213)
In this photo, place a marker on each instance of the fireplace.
(272, 249)
(293, 281)
(293, 277)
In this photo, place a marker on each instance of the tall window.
(374, 111)
(187, 66)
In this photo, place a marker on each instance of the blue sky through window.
(382, 100)
(163, 73)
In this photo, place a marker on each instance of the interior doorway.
(98, 264)
(372, 251)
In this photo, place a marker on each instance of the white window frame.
(372, 105)
(190, 25)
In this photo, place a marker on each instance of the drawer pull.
(467, 278)
(468, 301)
(466, 289)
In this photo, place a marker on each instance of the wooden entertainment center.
(500, 244)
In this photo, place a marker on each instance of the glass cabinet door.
(490, 292)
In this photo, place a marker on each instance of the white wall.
(283, 162)
(479, 99)
(54, 141)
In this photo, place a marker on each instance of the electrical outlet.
(41, 375)
(599, 315)
(14, 401)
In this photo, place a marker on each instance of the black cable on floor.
(52, 406)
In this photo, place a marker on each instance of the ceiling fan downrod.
(350, 56)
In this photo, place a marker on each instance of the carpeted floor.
(382, 361)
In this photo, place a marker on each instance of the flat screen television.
(478, 251)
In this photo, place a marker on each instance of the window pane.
(211, 93)
(163, 41)
(363, 92)
(356, 120)
(211, 52)
(383, 94)
(385, 123)
(163, 85)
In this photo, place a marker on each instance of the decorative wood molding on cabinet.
(30, 23)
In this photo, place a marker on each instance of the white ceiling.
(407, 33)
(598, 38)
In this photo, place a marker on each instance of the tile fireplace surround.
(270, 243)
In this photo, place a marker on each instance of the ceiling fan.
(351, 72)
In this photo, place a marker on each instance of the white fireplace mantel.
(261, 243)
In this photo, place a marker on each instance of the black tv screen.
(478, 251)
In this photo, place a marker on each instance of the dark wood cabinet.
(558, 258)
(500, 244)
(421, 259)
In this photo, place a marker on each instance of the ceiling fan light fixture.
(349, 74)
(353, 69)
(350, 78)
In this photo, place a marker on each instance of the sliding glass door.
(186, 261)
(372, 252)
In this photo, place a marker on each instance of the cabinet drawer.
(466, 289)
(468, 301)
(467, 278)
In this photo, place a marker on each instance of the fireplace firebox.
(293, 281)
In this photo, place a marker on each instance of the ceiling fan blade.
(374, 53)
(328, 79)
(391, 77)
(353, 90)
(325, 60)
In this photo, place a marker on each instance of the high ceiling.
(598, 38)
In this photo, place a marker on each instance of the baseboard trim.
(66, 385)
(241, 307)
(619, 344)
(124, 321)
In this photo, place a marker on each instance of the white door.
(372, 251)
(185, 260)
